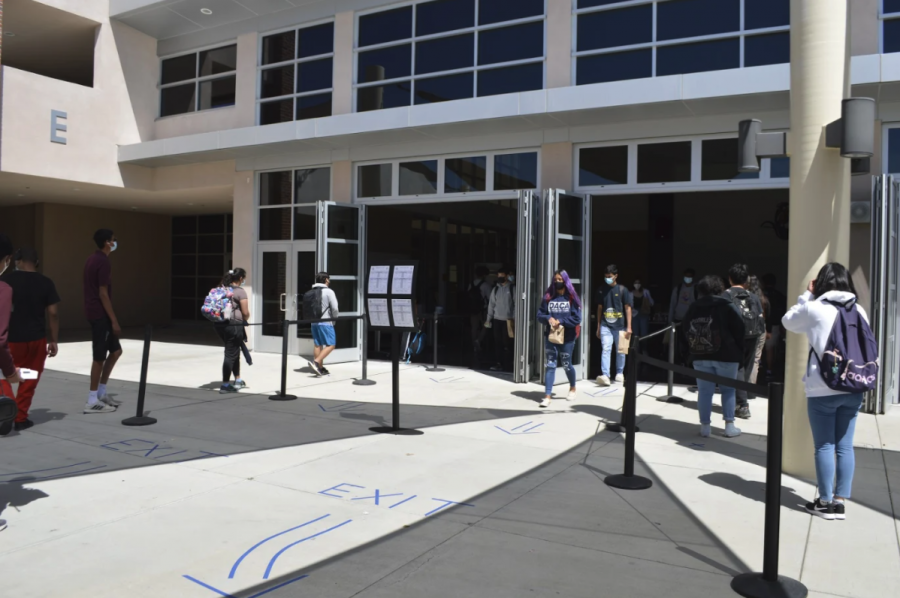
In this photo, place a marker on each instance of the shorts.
(323, 335)
(103, 341)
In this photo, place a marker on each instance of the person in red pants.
(34, 295)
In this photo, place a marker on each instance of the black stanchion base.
(752, 585)
(281, 397)
(619, 428)
(139, 420)
(625, 482)
(396, 432)
(364, 382)
(674, 399)
(435, 369)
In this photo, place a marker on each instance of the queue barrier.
(768, 584)
(140, 419)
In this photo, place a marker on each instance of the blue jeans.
(610, 340)
(833, 421)
(559, 355)
(640, 325)
(706, 390)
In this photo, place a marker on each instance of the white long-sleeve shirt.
(815, 318)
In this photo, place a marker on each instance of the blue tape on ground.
(292, 544)
(241, 558)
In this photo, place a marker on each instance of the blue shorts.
(323, 335)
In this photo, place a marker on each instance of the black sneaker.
(315, 367)
(742, 412)
(6, 428)
(819, 509)
(840, 511)
(19, 426)
(227, 389)
(324, 370)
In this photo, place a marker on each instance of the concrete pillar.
(342, 92)
(559, 43)
(820, 188)
(245, 99)
(244, 235)
(557, 165)
(342, 181)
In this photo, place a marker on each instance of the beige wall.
(557, 164)
(865, 27)
(342, 93)
(342, 181)
(559, 43)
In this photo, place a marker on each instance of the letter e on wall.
(57, 127)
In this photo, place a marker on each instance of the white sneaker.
(98, 407)
(109, 401)
(603, 380)
(705, 430)
(731, 431)
(545, 402)
(573, 394)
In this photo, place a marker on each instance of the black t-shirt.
(613, 300)
(33, 293)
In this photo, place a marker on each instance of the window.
(201, 254)
(601, 166)
(442, 50)
(654, 38)
(890, 35)
(483, 173)
(720, 160)
(295, 74)
(287, 203)
(198, 81)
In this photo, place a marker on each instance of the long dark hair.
(233, 276)
(833, 277)
(570, 289)
(754, 287)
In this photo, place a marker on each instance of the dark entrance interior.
(655, 237)
(449, 240)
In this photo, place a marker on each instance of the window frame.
(292, 62)
(882, 18)
(196, 80)
(413, 39)
(886, 146)
(742, 34)
(257, 207)
(696, 183)
(441, 194)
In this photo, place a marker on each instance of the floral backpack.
(217, 307)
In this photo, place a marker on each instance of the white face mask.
(637, 286)
(688, 280)
(114, 246)
(511, 278)
(242, 282)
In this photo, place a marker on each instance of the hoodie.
(816, 318)
(567, 312)
(502, 305)
(329, 304)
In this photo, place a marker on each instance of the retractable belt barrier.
(140, 419)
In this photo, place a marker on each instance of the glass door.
(304, 269)
(529, 337)
(274, 303)
(340, 242)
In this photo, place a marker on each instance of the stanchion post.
(670, 375)
(434, 367)
(395, 428)
(769, 584)
(364, 381)
(285, 337)
(629, 481)
(631, 370)
(140, 419)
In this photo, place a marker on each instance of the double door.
(287, 270)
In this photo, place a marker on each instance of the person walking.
(614, 303)
(777, 309)
(478, 295)
(501, 316)
(749, 307)
(233, 331)
(105, 329)
(712, 337)
(324, 337)
(7, 365)
(824, 312)
(560, 308)
(683, 295)
(754, 286)
(643, 307)
(34, 304)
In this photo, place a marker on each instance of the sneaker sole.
(97, 411)
(821, 515)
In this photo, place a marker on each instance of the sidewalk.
(240, 496)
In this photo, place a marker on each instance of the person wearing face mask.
(232, 332)
(561, 307)
(643, 306)
(614, 306)
(7, 366)
(501, 316)
(105, 329)
(683, 295)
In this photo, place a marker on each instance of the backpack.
(751, 314)
(218, 307)
(312, 304)
(475, 300)
(416, 345)
(849, 362)
(703, 334)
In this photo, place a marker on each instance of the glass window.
(893, 151)
(465, 175)
(891, 37)
(280, 111)
(511, 43)
(316, 40)
(211, 244)
(603, 166)
(444, 15)
(515, 171)
(418, 178)
(699, 57)
(612, 28)
(177, 69)
(316, 106)
(178, 100)
(182, 266)
(779, 168)
(305, 223)
(385, 26)
(218, 61)
(387, 63)
(343, 259)
(617, 66)
(198, 95)
(278, 47)
(759, 14)
(677, 19)
(382, 96)
(443, 89)
(719, 161)
(217, 93)
(275, 224)
(343, 223)
(760, 50)
(277, 82)
(891, 6)
(513, 79)
(184, 225)
(211, 224)
(312, 185)
(185, 244)
(374, 180)
(275, 188)
(314, 75)
(445, 54)
(664, 162)
(496, 11)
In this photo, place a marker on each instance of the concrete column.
(244, 235)
(342, 93)
(559, 43)
(557, 166)
(342, 181)
(820, 188)
(245, 100)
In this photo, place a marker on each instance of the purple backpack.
(849, 362)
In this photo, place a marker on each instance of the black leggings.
(233, 336)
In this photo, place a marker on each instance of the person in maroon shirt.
(7, 367)
(105, 330)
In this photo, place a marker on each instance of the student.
(753, 285)
(683, 295)
(643, 306)
(34, 295)
(501, 312)
(749, 307)
(561, 307)
(777, 309)
(614, 304)
(712, 337)
(7, 365)
(477, 296)
(832, 413)
(324, 337)
(233, 332)
(105, 329)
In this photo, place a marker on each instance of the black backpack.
(312, 304)
(751, 314)
(474, 299)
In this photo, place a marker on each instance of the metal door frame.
(528, 236)
(883, 280)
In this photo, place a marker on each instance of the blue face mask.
(609, 281)
(688, 280)
(511, 278)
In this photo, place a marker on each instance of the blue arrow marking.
(292, 544)
(237, 563)
(227, 595)
(514, 432)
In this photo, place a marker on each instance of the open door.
(884, 278)
(528, 347)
